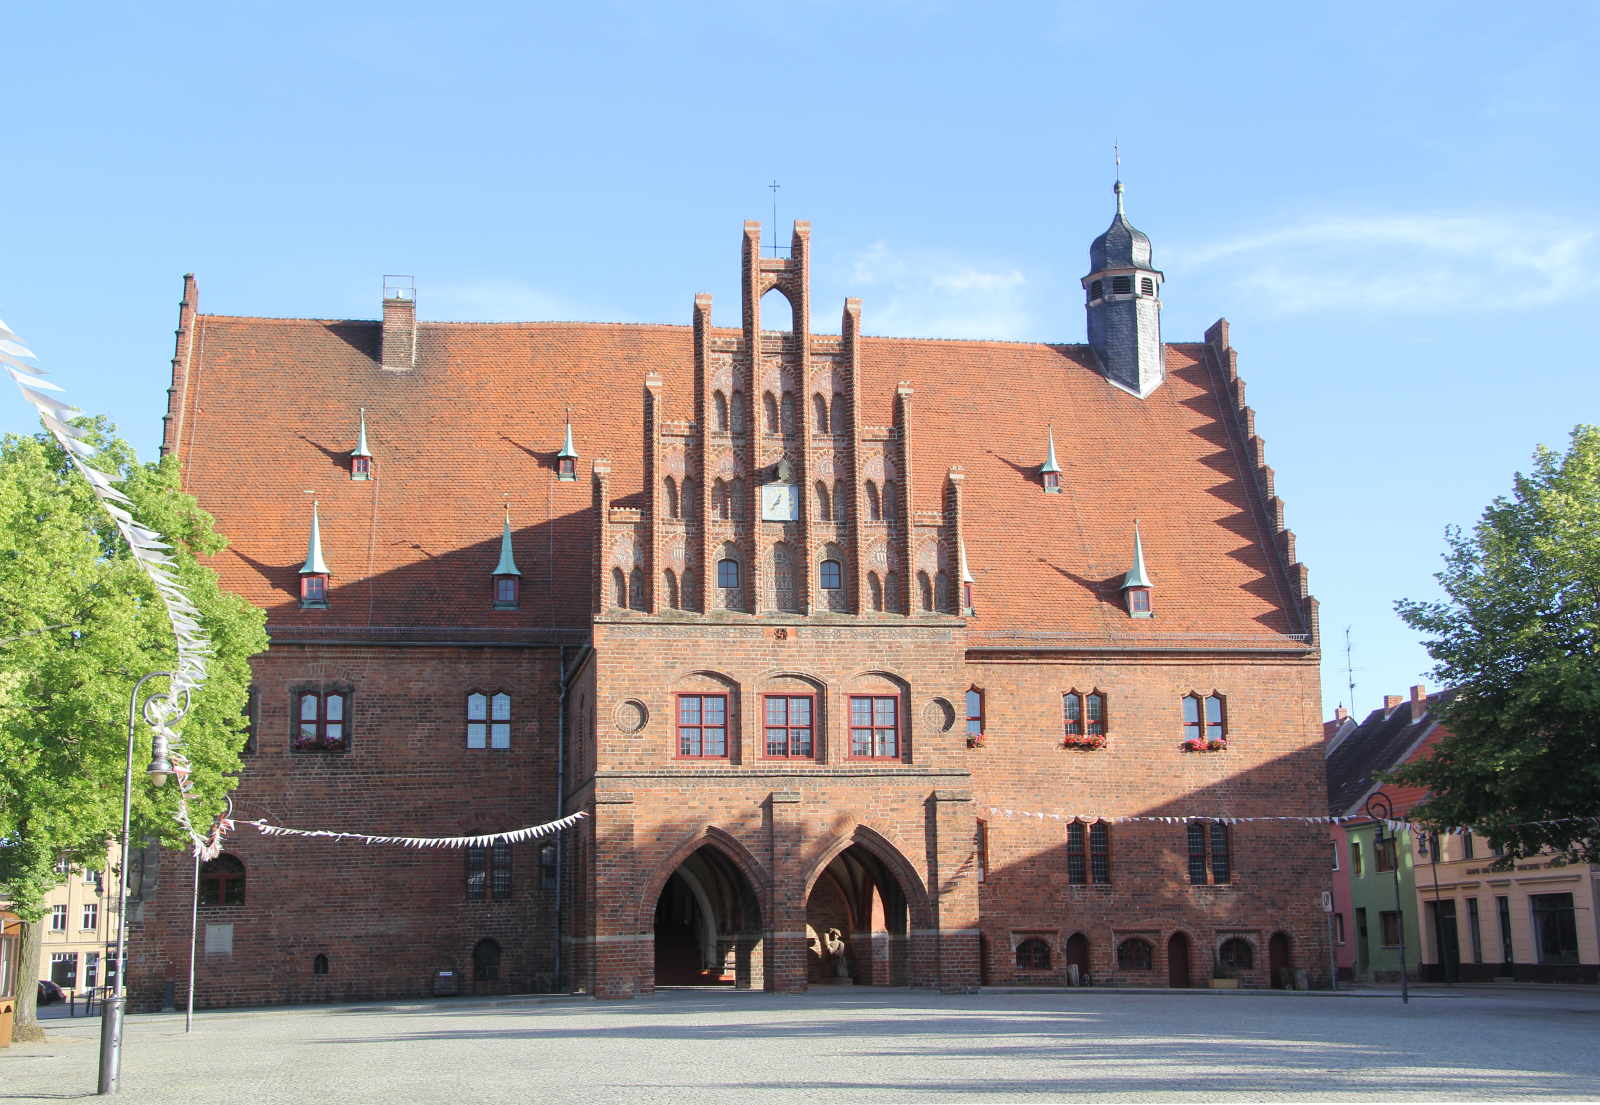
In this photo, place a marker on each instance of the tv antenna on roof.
(1349, 670)
(774, 186)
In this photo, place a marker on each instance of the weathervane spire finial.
(774, 186)
(1116, 156)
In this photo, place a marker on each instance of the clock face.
(780, 502)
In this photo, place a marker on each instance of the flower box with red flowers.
(975, 742)
(1088, 741)
(1205, 745)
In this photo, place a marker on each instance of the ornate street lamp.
(161, 710)
(1381, 810)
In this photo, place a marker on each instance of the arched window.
(874, 504)
(222, 881)
(769, 410)
(670, 582)
(890, 501)
(488, 720)
(832, 575)
(875, 590)
(1205, 721)
(823, 511)
(838, 420)
(974, 714)
(1135, 954)
(1033, 954)
(819, 408)
(719, 405)
(777, 313)
(670, 488)
(739, 412)
(619, 589)
(1088, 852)
(791, 416)
(728, 573)
(720, 504)
(636, 589)
(486, 961)
(319, 965)
(841, 510)
(1236, 954)
(925, 590)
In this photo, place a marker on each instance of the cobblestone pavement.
(846, 1045)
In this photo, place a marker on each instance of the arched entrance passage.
(858, 923)
(707, 924)
(1280, 957)
(1178, 961)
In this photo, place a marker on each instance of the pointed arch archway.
(865, 906)
(703, 909)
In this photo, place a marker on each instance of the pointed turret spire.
(360, 457)
(967, 582)
(1136, 583)
(314, 564)
(567, 459)
(508, 563)
(1050, 471)
(314, 572)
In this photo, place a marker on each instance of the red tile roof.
(269, 411)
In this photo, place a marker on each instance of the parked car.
(50, 993)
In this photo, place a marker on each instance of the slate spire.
(314, 564)
(508, 563)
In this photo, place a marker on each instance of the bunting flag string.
(1392, 824)
(149, 550)
(530, 832)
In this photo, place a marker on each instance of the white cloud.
(500, 301)
(1402, 264)
(926, 294)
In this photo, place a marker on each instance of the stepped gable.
(262, 408)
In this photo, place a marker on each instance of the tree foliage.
(1518, 639)
(80, 622)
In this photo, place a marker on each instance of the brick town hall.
(804, 623)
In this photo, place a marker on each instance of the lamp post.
(1381, 810)
(160, 709)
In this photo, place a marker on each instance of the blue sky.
(1394, 204)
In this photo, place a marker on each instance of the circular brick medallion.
(631, 716)
(939, 715)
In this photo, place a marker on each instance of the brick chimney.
(1390, 701)
(1419, 701)
(399, 323)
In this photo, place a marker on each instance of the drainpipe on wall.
(564, 685)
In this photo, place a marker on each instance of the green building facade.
(1378, 921)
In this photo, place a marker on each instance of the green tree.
(1518, 639)
(80, 622)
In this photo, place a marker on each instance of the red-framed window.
(489, 871)
(1138, 600)
(505, 592)
(313, 591)
(361, 468)
(1052, 481)
(875, 727)
(703, 726)
(1205, 720)
(222, 881)
(321, 719)
(1083, 716)
(974, 713)
(1210, 853)
(790, 725)
(488, 720)
(1088, 852)
(566, 468)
